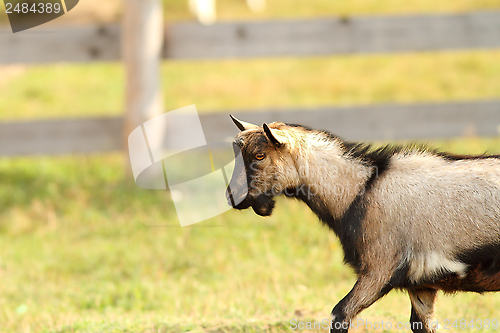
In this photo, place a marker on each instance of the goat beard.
(263, 205)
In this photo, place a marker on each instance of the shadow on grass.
(74, 185)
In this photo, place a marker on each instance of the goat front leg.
(365, 292)
(422, 309)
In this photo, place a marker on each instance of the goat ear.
(242, 125)
(271, 136)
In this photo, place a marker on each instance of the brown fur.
(476, 280)
(407, 218)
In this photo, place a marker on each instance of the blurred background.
(83, 249)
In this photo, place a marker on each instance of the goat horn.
(242, 125)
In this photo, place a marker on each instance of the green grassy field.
(175, 10)
(81, 90)
(83, 250)
(231, 10)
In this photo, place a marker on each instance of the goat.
(407, 218)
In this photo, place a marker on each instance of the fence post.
(142, 43)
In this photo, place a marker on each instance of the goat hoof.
(338, 327)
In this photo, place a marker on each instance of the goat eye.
(260, 156)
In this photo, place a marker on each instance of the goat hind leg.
(422, 310)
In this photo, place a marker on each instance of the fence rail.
(383, 122)
(262, 39)
(258, 39)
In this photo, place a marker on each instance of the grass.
(83, 250)
(234, 10)
(175, 10)
(97, 90)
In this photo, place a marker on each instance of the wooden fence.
(383, 122)
(263, 39)
(259, 39)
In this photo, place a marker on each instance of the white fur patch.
(425, 266)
